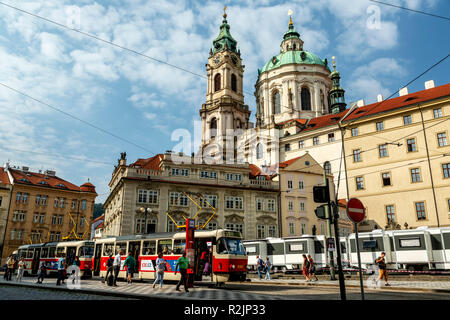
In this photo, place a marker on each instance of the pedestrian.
(5, 267)
(312, 268)
(382, 266)
(306, 268)
(77, 262)
(109, 267)
(267, 267)
(10, 264)
(183, 263)
(42, 273)
(20, 269)
(259, 266)
(160, 268)
(61, 269)
(130, 264)
(116, 266)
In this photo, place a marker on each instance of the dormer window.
(43, 182)
(61, 185)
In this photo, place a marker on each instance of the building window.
(235, 227)
(56, 203)
(327, 167)
(54, 219)
(259, 204)
(446, 170)
(415, 175)
(411, 145)
(260, 231)
(272, 231)
(18, 196)
(306, 99)
(301, 144)
(83, 204)
(213, 127)
(331, 137)
(82, 221)
(180, 172)
(287, 147)
(25, 197)
(19, 216)
(38, 199)
(229, 176)
(301, 185)
(178, 199)
(271, 205)
(354, 132)
(235, 203)
(211, 199)
(291, 228)
(407, 120)
(74, 204)
(58, 236)
(62, 202)
(276, 102)
(147, 196)
(238, 177)
(290, 206)
(35, 218)
(289, 184)
(303, 226)
(380, 126)
(357, 155)
(233, 83)
(386, 176)
(140, 226)
(442, 139)
(437, 113)
(44, 200)
(217, 82)
(302, 206)
(359, 183)
(61, 219)
(315, 141)
(420, 211)
(259, 151)
(42, 218)
(382, 150)
(390, 214)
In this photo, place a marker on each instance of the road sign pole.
(359, 262)
(328, 213)
(338, 252)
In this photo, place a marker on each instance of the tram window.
(409, 243)
(149, 247)
(51, 252)
(165, 246)
(60, 251)
(251, 249)
(296, 247)
(179, 246)
(22, 253)
(369, 244)
(86, 252)
(108, 248)
(121, 246)
(44, 253)
(30, 253)
(230, 246)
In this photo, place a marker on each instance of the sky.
(142, 102)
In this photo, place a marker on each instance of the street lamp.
(146, 211)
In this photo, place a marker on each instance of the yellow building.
(397, 159)
(5, 195)
(46, 208)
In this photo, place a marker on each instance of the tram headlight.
(232, 266)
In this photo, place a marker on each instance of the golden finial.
(334, 62)
(225, 11)
(290, 12)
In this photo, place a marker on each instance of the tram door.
(135, 248)
(70, 255)
(97, 259)
(35, 263)
(202, 258)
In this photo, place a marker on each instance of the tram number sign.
(355, 210)
(330, 244)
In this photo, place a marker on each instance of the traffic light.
(321, 194)
(320, 212)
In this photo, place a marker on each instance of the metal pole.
(359, 262)
(338, 251)
(327, 215)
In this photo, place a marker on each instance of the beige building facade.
(5, 196)
(143, 192)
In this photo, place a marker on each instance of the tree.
(98, 210)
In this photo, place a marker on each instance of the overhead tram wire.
(76, 118)
(416, 11)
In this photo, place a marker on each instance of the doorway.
(35, 263)
(97, 259)
(135, 248)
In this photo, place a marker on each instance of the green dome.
(296, 57)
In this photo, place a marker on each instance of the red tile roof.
(300, 121)
(342, 202)
(399, 102)
(42, 180)
(99, 226)
(4, 176)
(286, 163)
(324, 121)
(152, 163)
(102, 217)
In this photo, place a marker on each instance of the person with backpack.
(109, 267)
(130, 263)
(312, 268)
(160, 268)
(306, 268)
(259, 266)
(382, 266)
(267, 267)
(42, 273)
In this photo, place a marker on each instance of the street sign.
(331, 246)
(355, 210)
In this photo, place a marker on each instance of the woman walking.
(306, 268)
(130, 263)
(160, 267)
(312, 268)
(21, 269)
(267, 267)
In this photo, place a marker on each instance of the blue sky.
(144, 101)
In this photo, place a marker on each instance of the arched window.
(327, 167)
(213, 127)
(306, 99)
(238, 124)
(276, 102)
(217, 82)
(259, 151)
(233, 83)
(322, 100)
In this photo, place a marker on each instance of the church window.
(217, 82)
(276, 102)
(259, 151)
(213, 127)
(306, 99)
(233, 83)
(322, 100)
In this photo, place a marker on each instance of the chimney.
(50, 173)
(379, 98)
(360, 103)
(403, 91)
(429, 84)
(25, 169)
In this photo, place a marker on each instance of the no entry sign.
(355, 210)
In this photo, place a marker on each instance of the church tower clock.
(224, 114)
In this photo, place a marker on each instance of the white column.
(295, 99)
(267, 104)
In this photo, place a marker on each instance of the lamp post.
(146, 211)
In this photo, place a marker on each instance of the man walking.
(382, 266)
(109, 267)
(10, 267)
(183, 263)
(267, 267)
(61, 268)
(116, 266)
(259, 266)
